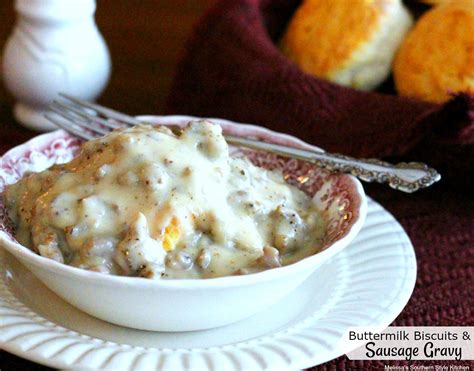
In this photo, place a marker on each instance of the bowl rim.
(25, 254)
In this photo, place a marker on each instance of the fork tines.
(87, 120)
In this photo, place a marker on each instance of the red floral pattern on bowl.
(340, 196)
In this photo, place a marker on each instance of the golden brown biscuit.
(437, 2)
(350, 42)
(434, 2)
(437, 57)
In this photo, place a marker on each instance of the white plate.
(368, 283)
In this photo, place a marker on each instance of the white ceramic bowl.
(185, 305)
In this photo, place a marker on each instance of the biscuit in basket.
(351, 43)
(437, 57)
(436, 2)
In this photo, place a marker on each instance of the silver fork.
(89, 121)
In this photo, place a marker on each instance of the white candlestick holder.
(55, 47)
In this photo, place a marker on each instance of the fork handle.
(404, 176)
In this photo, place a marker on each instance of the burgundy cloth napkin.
(233, 69)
